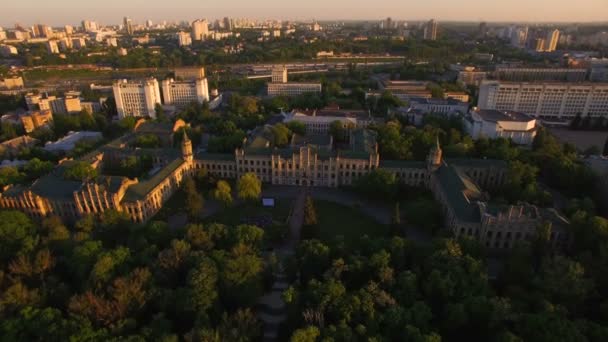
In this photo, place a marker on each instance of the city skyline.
(110, 12)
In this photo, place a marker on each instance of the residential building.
(189, 73)
(446, 107)
(11, 82)
(200, 29)
(37, 119)
(68, 143)
(128, 26)
(183, 93)
(184, 38)
(8, 51)
(472, 77)
(52, 47)
(551, 40)
(11, 148)
(69, 104)
(456, 95)
(89, 26)
(281, 86)
(549, 100)
(430, 30)
(540, 74)
(493, 124)
(79, 43)
(136, 98)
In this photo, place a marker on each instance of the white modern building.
(493, 124)
(549, 100)
(182, 93)
(136, 98)
(200, 29)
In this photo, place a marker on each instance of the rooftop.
(140, 190)
(507, 115)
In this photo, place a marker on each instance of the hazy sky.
(59, 12)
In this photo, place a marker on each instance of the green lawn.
(335, 219)
(236, 215)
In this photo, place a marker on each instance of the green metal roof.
(140, 190)
(215, 156)
(55, 186)
(461, 193)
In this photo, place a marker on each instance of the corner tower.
(434, 159)
(187, 148)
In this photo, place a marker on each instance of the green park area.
(335, 220)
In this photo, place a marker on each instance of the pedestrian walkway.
(272, 310)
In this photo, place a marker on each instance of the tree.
(396, 219)
(223, 193)
(310, 214)
(308, 334)
(10, 175)
(17, 234)
(194, 200)
(297, 127)
(378, 183)
(79, 171)
(281, 135)
(249, 187)
(337, 130)
(202, 282)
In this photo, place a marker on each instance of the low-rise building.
(189, 73)
(11, 82)
(36, 119)
(446, 107)
(68, 143)
(8, 51)
(319, 121)
(492, 124)
(457, 95)
(281, 86)
(12, 147)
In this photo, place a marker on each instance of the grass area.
(247, 212)
(422, 212)
(335, 220)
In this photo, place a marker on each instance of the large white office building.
(136, 98)
(549, 100)
(182, 93)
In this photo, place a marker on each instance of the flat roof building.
(183, 93)
(547, 100)
(136, 98)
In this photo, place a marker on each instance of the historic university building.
(309, 160)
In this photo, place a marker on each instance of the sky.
(61, 12)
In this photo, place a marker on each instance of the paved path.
(272, 310)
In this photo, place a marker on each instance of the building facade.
(183, 93)
(540, 74)
(137, 99)
(493, 124)
(200, 29)
(556, 101)
(281, 86)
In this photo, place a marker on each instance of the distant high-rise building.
(519, 36)
(128, 26)
(149, 23)
(89, 26)
(69, 30)
(43, 31)
(184, 38)
(387, 24)
(539, 45)
(136, 98)
(430, 30)
(228, 24)
(483, 29)
(551, 40)
(279, 74)
(200, 29)
(52, 47)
